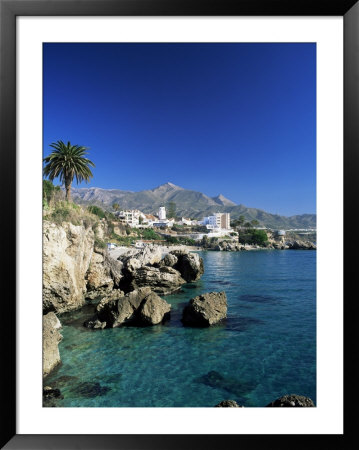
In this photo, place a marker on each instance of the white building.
(162, 213)
(219, 221)
(185, 221)
(132, 217)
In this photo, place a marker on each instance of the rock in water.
(228, 404)
(139, 307)
(190, 265)
(292, 400)
(50, 396)
(95, 324)
(153, 310)
(50, 342)
(301, 245)
(205, 310)
(163, 280)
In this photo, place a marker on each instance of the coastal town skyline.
(230, 119)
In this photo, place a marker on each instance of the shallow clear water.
(265, 349)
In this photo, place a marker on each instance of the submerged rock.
(64, 380)
(232, 385)
(50, 395)
(50, 392)
(292, 400)
(205, 310)
(50, 342)
(228, 404)
(91, 389)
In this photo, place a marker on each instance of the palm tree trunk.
(68, 190)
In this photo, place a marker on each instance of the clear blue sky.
(236, 119)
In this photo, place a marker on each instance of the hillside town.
(218, 224)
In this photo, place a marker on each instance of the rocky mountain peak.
(222, 200)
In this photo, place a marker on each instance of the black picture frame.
(9, 10)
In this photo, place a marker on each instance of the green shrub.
(97, 211)
(50, 192)
(99, 243)
(60, 215)
(253, 237)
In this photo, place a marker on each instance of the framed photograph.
(175, 178)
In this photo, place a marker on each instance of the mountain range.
(189, 203)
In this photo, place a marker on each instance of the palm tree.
(68, 162)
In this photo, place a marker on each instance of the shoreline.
(121, 250)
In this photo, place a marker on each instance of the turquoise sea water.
(266, 348)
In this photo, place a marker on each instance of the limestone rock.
(163, 280)
(292, 400)
(115, 294)
(153, 310)
(94, 324)
(98, 279)
(134, 259)
(67, 251)
(205, 310)
(301, 245)
(104, 273)
(190, 265)
(140, 307)
(169, 260)
(50, 340)
(122, 310)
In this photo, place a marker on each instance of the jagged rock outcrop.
(190, 265)
(163, 280)
(228, 404)
(292, 400)
(51, 337)
(67, 251)
(169, 260)
(134, 259)
(140, 307)
(74, 268)
(301, 245)
(103, 275)
(228, 246)
(205, 310)
(146, 268)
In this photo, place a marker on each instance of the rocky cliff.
(74, 267)
(51, 337)
(67, 252)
